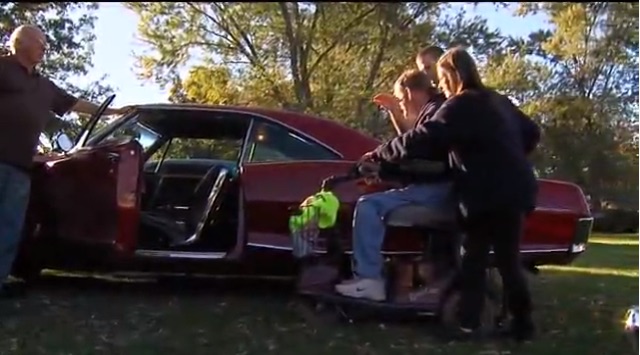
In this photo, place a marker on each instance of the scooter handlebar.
(332, 181)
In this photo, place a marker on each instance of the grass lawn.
(579, 309)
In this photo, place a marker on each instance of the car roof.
(350, 143)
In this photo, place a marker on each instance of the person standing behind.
(426, 62)
(27, 99)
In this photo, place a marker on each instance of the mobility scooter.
(417, 285)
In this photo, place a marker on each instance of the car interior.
(190, 191)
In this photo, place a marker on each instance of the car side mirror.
(63, 142)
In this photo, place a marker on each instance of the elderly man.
(426, 60)
(419, 100)
(27, 99)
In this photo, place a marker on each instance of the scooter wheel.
(449, 313)
(316, 313)
(342, 315)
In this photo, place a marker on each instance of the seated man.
(418, 99)
(426, 60)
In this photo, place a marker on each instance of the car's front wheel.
(27, 272)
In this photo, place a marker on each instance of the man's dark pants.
(14, 198)
(501, 231)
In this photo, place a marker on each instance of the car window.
(103, 126)
(274, 143)
(134, 130)
(198, 148)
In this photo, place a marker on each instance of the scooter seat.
(421, 216)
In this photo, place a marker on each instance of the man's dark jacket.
(394, 170)
(488, 140)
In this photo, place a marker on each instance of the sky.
(116, 43)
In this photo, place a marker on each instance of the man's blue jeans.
(14, 199)
(368, 221)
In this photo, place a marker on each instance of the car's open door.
(91, 124)
(93, 194)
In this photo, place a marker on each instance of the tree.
(580, 81)
(71, 126)
(69, 28)
(70, 37)
(327, 59)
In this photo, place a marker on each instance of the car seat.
(205, 201)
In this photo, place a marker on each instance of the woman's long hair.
(457, 72)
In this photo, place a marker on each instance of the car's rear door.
(279, 169)
(271, 189)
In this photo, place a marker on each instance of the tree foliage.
(586, 99)
(69, 30)
(318, 57)
(578, 80)
(70, 37)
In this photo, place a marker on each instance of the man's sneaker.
(350, 281)
(363, 288)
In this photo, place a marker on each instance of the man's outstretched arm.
(84, 106)
(64, 102)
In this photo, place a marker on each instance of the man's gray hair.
(19, 32)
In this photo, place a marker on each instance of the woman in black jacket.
(488, 140)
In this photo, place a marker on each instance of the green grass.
(579, 310)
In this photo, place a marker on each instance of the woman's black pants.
(500, 231)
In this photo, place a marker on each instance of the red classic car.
(208, 189)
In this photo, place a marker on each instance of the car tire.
(27, 273)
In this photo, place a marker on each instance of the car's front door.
(92, 194)
(93, 197)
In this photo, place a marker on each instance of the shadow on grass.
(625, 239)
(191, 316)
(280, 293)
(607, 258)
(577, 312)
(590, 297)
(166, 289)
(583, 311)
(613, 241)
